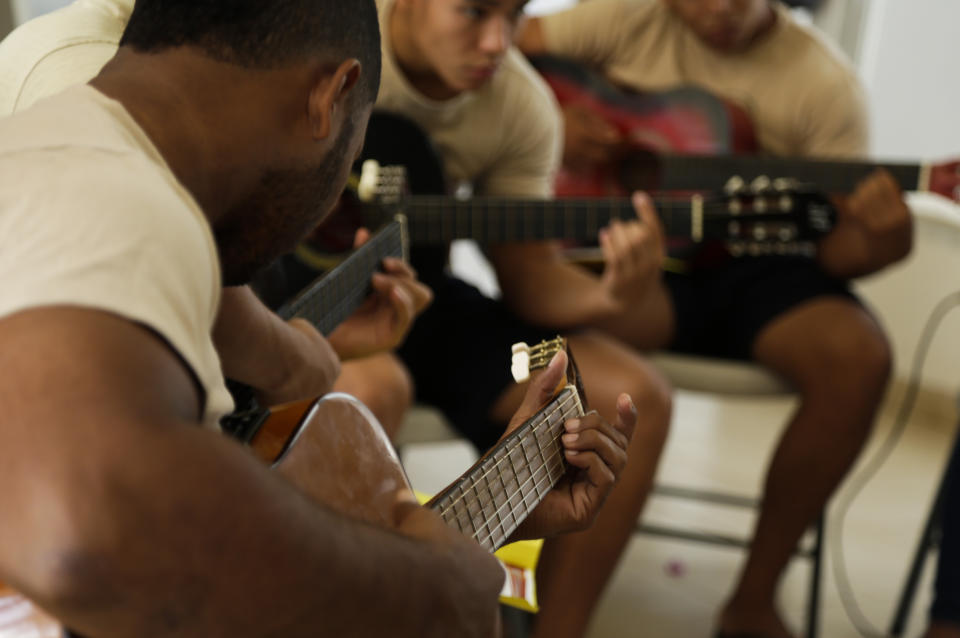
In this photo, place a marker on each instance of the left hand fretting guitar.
(336, 453)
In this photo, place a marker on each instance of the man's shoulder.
(522, 89)
(77, 151)
(809, 47)
(56, 37)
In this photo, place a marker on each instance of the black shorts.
(720, 310)
(459, 353)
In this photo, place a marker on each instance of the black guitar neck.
(490, 220)
(706, 172)
(329, 300)
(326, 303)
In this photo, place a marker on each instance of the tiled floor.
(672, 588)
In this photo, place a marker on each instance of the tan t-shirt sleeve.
(530, 156)
(87, 229)
(590, 32)
(62, 69)
(836, 121)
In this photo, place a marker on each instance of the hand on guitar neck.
(874, 229)
(385, 318)
(596, 452)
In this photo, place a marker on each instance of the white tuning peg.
(520, 363)
(734, 185)
(369, 178)
(760, 184)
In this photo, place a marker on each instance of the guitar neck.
(326, 303)
(704, 172)
(336, 295)
(489, 220)
(493, 498)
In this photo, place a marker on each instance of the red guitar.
(688, 139)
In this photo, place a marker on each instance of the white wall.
(908, 57)
(909, 63)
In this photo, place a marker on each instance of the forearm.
(258, 348)
(213, 544)
(848, 253)
(543, 288)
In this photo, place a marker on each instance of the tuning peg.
(737, 248)
(786, 234)
(735, 185)
(785, 203)
(759, 233)
(760, 184)
(370, 177)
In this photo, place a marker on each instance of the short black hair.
(263, 34)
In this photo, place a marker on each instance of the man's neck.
(410, 59)
(192, 115)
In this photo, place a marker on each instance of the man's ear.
(330, 94)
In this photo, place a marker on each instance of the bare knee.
(833, 348)
(653, 397)
(383, 384)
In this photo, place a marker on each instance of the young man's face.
(464, 41)
(724, 25)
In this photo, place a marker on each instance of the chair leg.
(927, 540)
(816, 570)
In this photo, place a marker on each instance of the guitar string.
(542, 418)
(520, 488)
(507, 457)
(476, 497)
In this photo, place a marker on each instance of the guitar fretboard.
(490, 501)
(326, 303)
(336, 295)
(437, 219)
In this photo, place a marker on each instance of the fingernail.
(573, 425)
(572, 452)
(570, 438)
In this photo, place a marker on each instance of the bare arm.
(874, 229)
(284, 361)
(529, 38)
(132, 521)
(540, 285)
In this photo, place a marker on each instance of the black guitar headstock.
(769, 217)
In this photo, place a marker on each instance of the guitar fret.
(493, 499)
(509, 497)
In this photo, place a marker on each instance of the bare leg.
(382, 383)
(575, 568)
(837, 357)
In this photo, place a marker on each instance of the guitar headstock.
(942, 179)
(381, 184)
(527, 359)
(769, 217)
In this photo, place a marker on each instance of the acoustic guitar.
(689, 139)
(339, 434)
(781, 217)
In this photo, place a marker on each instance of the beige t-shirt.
(504, 138)
(59, 50)
(802, 95)
(91, 216)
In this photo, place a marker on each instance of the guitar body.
(684, 120)
(337, 454)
